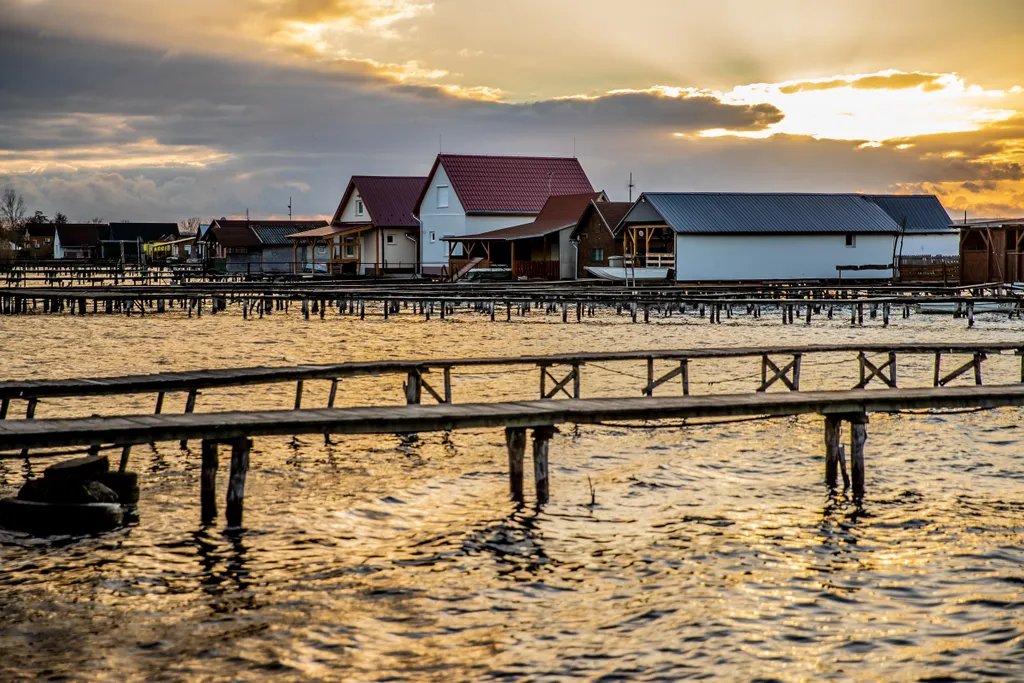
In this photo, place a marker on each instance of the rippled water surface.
(701, 552)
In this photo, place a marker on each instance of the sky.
(157, 110)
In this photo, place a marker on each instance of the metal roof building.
(730, 237)
(721, 213)
(924, 213)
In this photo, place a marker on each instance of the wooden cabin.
(538, 250)
(992, 251)
(373, 232)
(594, 236)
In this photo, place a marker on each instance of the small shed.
(241, 246)
(992, 251)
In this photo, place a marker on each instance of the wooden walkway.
(417, 371)
(142, 429)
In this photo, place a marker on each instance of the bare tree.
(189, 226)
(98, 220)
(12, 217)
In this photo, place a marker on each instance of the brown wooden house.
(594, 235)
(992, 251)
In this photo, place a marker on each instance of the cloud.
(891, 80)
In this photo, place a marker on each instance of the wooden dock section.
(238, 429)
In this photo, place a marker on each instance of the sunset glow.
(314, 90)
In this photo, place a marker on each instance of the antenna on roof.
(630, 186)
(574, 148)
(289, 208)
(247, 214)
(440, 144)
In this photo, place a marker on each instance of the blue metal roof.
(768, 213)
(924, 212)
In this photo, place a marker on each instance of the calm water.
(709, 552)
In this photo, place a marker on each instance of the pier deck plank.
(34, 434)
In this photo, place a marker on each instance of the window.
(389, 239)
(35, 245)
(442, 196)
(597, 255)
(359, 206)
(46, 240)
(851, 241)
(433, 237)
(350, 251)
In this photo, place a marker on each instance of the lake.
(665, 554)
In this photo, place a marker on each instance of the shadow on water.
(224, 573)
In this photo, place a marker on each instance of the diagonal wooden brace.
(652, 383)
(974, 363)
(780, 374)
(560, 385)
(869, 371)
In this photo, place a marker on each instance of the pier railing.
(559, 375)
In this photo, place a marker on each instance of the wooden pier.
(542, 417)
(23, 438)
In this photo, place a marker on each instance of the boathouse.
(992, 251)
(241, 246)
(925, 226)
(78, 240)
(373, 232)
(472, 194)
(538, 250)
(729, 237)
(594, 242)
(125, 241)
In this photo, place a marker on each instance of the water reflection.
(706, 552)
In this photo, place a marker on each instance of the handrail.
(205, 379)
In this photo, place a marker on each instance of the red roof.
(390, 200)
(510, 184)
(559, 212)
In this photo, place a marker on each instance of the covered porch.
(333, 250)
(649, 246)
(530, 257)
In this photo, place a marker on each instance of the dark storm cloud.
(283, 130)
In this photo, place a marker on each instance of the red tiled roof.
(559, 212)
(41, 229)
(613, 212)
(510, 184)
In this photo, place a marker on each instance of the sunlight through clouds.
(872, 107)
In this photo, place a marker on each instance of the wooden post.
(575, 380)
(833, 431)
(236, 484)
(541, 440)
(6, 403)
(515, 440)
(126, 451)
(448, 385)
(858, 437)
(208, 482)
(413, 388)
(190, 406)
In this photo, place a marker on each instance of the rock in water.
(34, 490)
(124, 484)
(46, 519)
(79, 469)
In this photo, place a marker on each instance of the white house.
(925, 227)
(727, 237)
(471, 194)
(374, 228)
